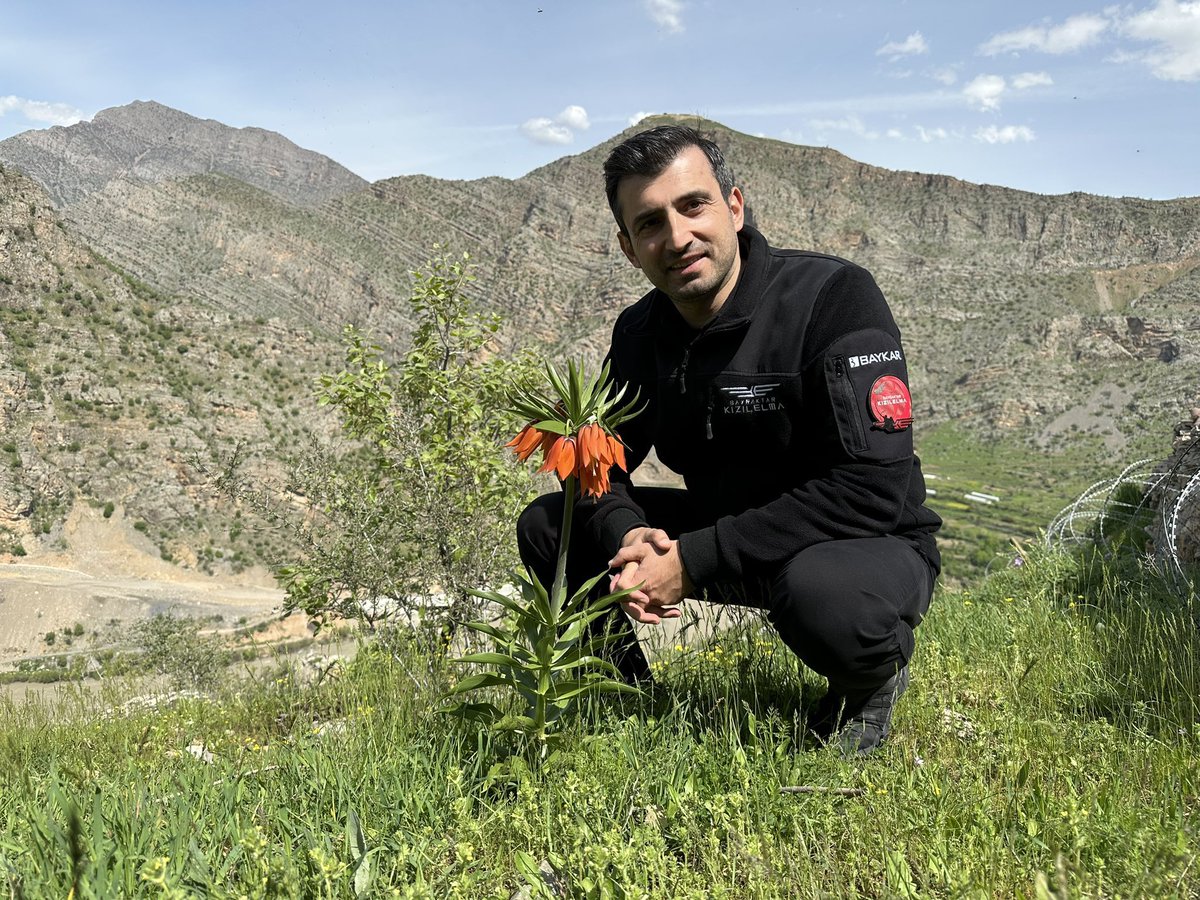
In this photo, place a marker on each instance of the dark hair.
(648, 153)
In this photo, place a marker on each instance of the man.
(775, 384)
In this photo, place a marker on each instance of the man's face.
(682, 233)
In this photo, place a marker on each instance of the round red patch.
(891, 403)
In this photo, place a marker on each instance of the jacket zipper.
(846, 391)
(683, 369)
(708, 432)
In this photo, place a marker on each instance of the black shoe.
(859, 721)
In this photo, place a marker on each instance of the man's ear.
(627, 249)
(737, 206)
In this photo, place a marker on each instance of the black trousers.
(847, 608)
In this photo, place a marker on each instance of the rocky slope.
(146, 142)
(112, 395)
(1047, 319)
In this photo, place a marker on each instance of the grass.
(1033, 488)
(1046, 748)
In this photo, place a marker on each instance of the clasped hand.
(649, 560)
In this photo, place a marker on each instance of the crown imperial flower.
(574, 430)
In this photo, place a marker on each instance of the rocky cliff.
(173, 272)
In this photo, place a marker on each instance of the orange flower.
(560, 458)
(598, 451)
(528, 439)
(587, 455)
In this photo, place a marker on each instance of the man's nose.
(679, 232)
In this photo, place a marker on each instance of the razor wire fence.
(1159, 499)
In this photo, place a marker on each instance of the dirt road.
(104, 581)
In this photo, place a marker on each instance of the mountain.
(147, 142)
(112, 394)
(1047, 322)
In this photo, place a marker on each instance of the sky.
(1050, 97)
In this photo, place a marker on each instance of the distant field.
(1032, 485)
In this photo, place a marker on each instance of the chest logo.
(751, 399)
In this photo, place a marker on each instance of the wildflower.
(560, 458)
(528, 439)
(588, 455)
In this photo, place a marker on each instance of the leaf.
(499, 599)
(593, 661)
(354, 836)
(474, 682)
(491, 631)
(554, 426)
(513, 722)
(360, 853)
(363, 876)
(528, 867)
(485, 713)
(489, 658)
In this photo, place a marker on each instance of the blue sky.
(1047, 97)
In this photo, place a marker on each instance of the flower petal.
(565, 463)
(552, 450)
(618, 452)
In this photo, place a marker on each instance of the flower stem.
(558, 592)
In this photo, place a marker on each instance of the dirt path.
(104, 581)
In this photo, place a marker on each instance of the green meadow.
(1046, 748)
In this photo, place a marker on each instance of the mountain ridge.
(148, 141)
(1047, 319)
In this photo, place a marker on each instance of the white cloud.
(1073, 34)
(1175, 29)
(559, 130)
(546, 131)
(985, 91)
(1009, 134)
(41, 111)
(929, 135)
(574, 117)
(946, 76)
(1031, 79)
(637, 117)
(667, 13)
(852, 124)
(912, 45)
(895, 134)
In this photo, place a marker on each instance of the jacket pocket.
(845, 404)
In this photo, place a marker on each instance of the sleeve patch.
(890, 404)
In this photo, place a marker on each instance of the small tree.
(415, 510)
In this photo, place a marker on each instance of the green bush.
(415, 501)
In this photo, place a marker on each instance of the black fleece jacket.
(775, 414)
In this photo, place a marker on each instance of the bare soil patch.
(105, 581)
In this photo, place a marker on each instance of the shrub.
(174, 647)
(417, 498)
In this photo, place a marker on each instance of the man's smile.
(687, 263)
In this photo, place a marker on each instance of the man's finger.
(626, 555)
(659, 539)
(639, 613)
